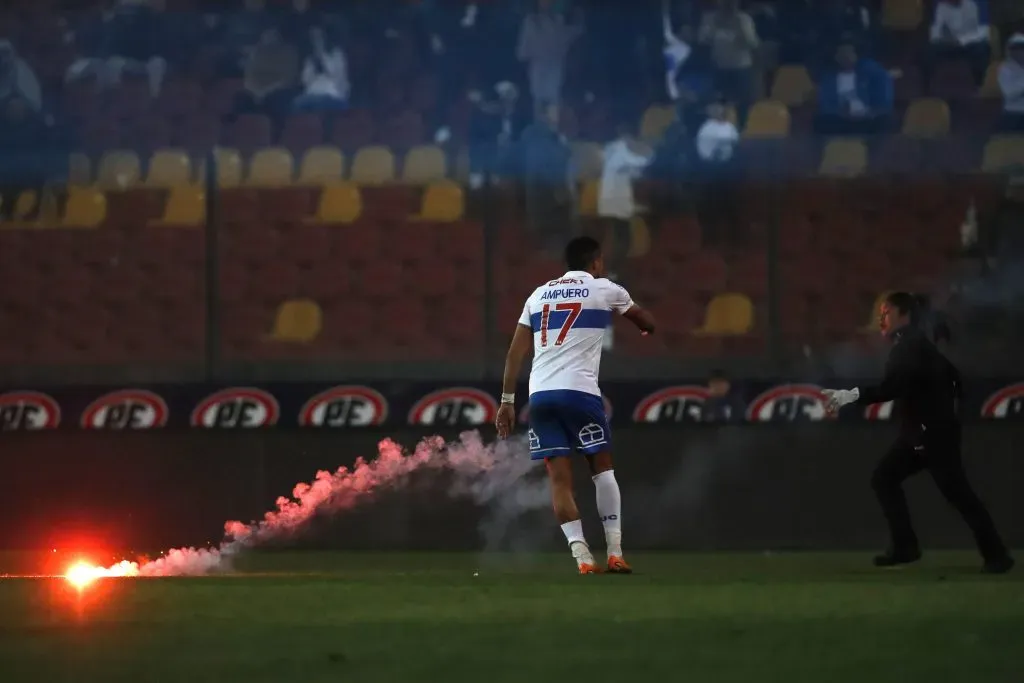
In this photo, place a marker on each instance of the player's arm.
(619, 300)
(896, 382)
(522, 341)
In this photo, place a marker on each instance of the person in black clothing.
(927, 388)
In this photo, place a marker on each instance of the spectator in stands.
(26, 153)
(716, 147)
(1011, 83)
(493, 128)
(237, 33)
(17, 79)
(960, 30)
(855, 97)
(544, 41)
(723, 404)
(324, 75)
(548, 175)
(271, 77)
(624, 160)
(734, 43)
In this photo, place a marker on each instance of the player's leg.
(899, 463)
(609, 506)
(550, 442)
(566, 512)
(944, 463)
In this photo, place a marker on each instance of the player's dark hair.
(918, 308)
(581, 252)
(906, 304)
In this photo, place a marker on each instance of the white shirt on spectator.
(621, 165)
(1011, 83)
(716, 140)
(962, 21)
(327, 75)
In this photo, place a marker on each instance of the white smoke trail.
(490, 474)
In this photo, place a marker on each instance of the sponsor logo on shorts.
(524, 412)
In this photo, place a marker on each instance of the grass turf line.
(421, 617)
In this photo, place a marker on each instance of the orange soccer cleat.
(587, 568)
(617, 565)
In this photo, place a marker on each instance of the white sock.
(609, 506)
(577, 542)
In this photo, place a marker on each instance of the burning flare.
(81, 573)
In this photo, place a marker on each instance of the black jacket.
(924, 384)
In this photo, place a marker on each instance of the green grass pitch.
(827, 618)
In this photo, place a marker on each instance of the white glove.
(837, 398)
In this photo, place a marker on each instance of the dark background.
(744, 488)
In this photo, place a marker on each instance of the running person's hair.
(581, 252)
(918, 308)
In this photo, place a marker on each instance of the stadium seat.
(118, 170)
(655, 121)
(928, 117)
(25, 204)
(588, 159)
(1002, 152)
(186, 206)
(271, 167)
(767, 119)
(297, 321)
(902, 15)
(322, 165)
(423, 164)
(588, 197)
(844, 158)
(792, 86)
(85, 208)
(79, 170)
(169, 168)
(443, 202)
(340, 202)
(727, 315)
(990, 88)
(229, 167)
(373, 166)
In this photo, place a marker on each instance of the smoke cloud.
(492, 475)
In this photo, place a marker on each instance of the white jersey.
(568, 317)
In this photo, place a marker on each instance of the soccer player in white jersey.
(564, 320)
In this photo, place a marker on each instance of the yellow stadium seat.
(271, 167)
(990, 88)
(79, 170)
(1002, 152)
(322, 165)
(656, 121)
(927, 117)
(186, 206)
(767, 119)
(902, 15)
(588, 197)
(229, 168)
(298, 321)
(340, 202)
(85, 208)
(727, 315)
(792, 86)
(443, 202)
(118, 170)
(373, 166)
(844, 158)
(168, 168)
(588, 159)
(424, 164)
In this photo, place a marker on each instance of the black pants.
(939, 453)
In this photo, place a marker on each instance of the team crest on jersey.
(524, 412)
(236, 408)
(1005, 404)
(455, 407)
(345, 406)
(128, 409)
(28, 411)
(684, 403)
(789, 403)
